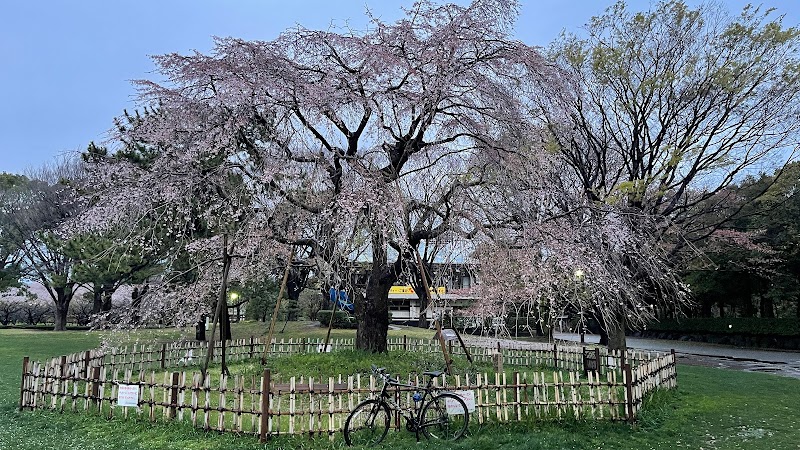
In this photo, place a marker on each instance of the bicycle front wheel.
(444, 417)
(367, 424)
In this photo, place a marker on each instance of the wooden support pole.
(173, 395)
(628, 392)
(463, 346)
(263, 435)
(221, 300)
(437, 321)
(330, 326)
(268, 343)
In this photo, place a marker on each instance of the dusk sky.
(67, 65)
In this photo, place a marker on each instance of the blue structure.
(341, 300)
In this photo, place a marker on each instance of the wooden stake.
(437, 321)
(221, 300)
(268, 343)
(629, 391)
(463, 346)
(263, 435)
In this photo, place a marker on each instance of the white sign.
(128, 395)
(469, 399)
(322, 348)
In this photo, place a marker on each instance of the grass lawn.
(712, 409)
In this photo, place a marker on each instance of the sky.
(66, 66)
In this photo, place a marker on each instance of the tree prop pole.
(436, 320)
(458, 335)
(330, 324)
(221, 300)
(271, 330)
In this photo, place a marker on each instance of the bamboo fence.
(579, 383)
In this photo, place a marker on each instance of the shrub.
(340, 320)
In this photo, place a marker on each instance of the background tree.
(12, 188)
(750, 266)
(103, 267)
(36, 216)
(669, 107)
(8, 312)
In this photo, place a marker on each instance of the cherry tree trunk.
(372, 313)
(422, 321)
(613, 332)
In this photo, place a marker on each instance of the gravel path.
(781, 363)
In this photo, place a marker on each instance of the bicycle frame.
(430, 414)
(412, 415)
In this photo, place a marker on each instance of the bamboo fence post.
(102, 389)
(207, 406)
(181, 395)
(65, 388)
(86, 359)
(517, 397)
(95, 383)
(673, 372)
(311, 412)
(240, 400)
(555, 356)
(173, 395)
(195, 389)
(331, 409)
(263, 434)
(163, 355)
(22, 392)
(223, 386)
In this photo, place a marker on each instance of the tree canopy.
(670, 106)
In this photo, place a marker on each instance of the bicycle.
(435, 415)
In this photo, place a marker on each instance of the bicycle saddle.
(434, 374)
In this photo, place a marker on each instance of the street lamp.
(235, 296)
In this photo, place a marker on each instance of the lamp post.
(578, 277)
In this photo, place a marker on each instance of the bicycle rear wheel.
(367, 424)
(444, 417)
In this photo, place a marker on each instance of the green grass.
(712, 409)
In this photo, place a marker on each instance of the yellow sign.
(410, 290)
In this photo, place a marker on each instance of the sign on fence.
(469, 400)
(128, 395)
(591, 360)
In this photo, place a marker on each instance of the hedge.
(730, 326)
(340, 320)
